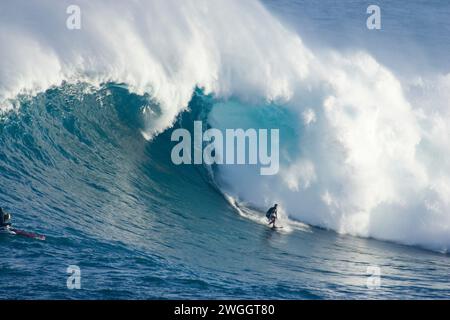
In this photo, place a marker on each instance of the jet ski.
(14, 231)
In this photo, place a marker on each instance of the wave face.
(363, 151)
(75, 167)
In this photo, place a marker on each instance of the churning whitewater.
(361, 151)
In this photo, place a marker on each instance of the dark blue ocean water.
(140, 227)
(75, 167)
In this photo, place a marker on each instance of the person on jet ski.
(5, 219)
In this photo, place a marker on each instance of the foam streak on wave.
(372, 159)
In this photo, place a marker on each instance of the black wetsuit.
(272, 213)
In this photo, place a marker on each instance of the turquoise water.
(75, 167)
(140, 227)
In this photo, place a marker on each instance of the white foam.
(284, 224)
(373, 151)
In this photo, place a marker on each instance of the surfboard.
(276, 228)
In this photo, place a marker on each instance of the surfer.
(271, 215)
(5, 219)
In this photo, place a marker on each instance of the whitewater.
(364, 144)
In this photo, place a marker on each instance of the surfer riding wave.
(271, 215)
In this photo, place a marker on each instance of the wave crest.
(360, 145)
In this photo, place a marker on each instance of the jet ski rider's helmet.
(6, 217)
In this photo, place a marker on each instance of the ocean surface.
(86, 118)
